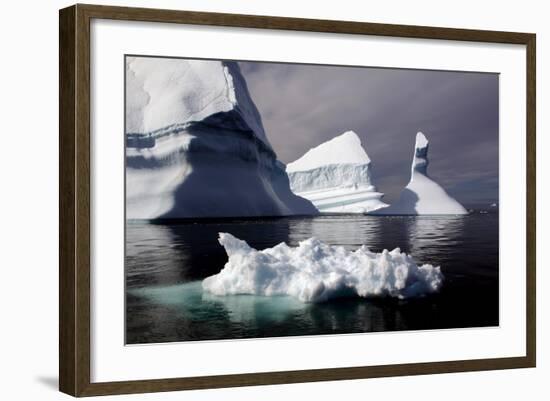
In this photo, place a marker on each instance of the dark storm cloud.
(304, 105)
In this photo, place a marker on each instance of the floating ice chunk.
(316, 272)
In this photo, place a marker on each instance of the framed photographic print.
(250, 200)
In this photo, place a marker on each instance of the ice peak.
(350, 136)
(421, 140)
(420, 158)
(345, 148)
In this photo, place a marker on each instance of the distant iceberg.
(317, 272)
(422, 195)
(336, 176)
(196, 146)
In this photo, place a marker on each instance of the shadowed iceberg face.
(420, 159)
(196, 145)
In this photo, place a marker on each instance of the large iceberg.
(336, 176)
(196, 146)
(422, 195)
(316, 272)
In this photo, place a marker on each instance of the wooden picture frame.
(74, 201)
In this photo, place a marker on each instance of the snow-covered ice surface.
(316, 272)
(336, 176)
(163, 93)
(422, 195)
(196, 146)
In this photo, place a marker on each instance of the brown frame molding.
(74, 199)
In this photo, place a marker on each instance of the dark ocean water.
(165, 263)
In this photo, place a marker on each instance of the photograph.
(267, 199)
(241, 200)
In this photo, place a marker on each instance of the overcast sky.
(305, 105)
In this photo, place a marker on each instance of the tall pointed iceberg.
(422, 195)
(336, 176)
(196, 146)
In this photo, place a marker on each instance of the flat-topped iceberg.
(316, 272)
(196, 146)
(422, 195)
(336, 176)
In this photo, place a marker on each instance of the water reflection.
(348, 231)
(359, 315)
(164, 254)
(154, 256)
(430, 235)
(165, 264)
